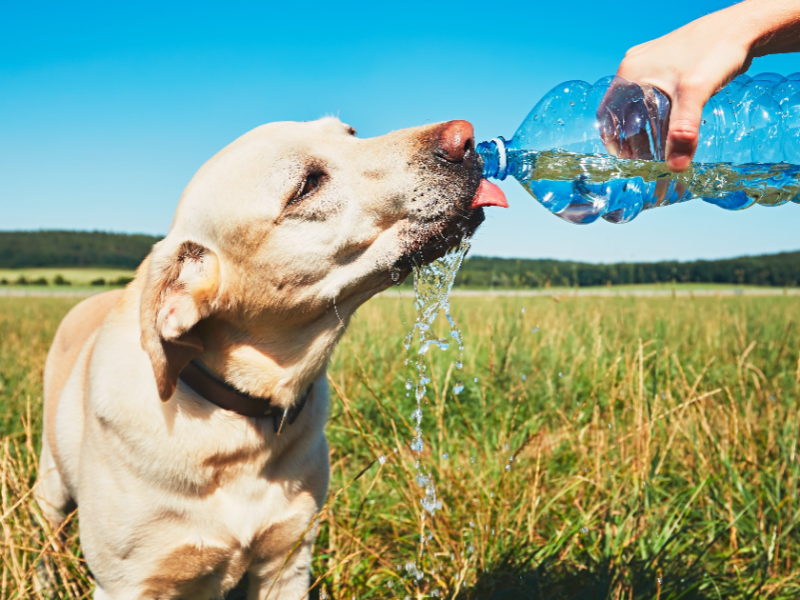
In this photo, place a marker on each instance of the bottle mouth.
(495, 158)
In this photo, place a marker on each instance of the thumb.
(684, 129)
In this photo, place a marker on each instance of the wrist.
(742, 25)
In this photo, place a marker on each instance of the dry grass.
(654, 446)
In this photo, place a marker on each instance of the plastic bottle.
(589, 151)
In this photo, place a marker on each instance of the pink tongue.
(488, 194)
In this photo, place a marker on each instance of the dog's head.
(284, 233)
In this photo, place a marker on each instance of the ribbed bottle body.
(596, 151)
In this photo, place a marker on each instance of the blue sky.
(107, 109)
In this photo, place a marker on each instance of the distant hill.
(25, 249)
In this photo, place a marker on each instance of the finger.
(684, 128)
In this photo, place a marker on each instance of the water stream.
(432, 285)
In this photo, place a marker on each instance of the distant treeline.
(25, 249)
(767, 270)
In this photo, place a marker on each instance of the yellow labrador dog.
(184, 415)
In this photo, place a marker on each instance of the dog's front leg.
(280, 578)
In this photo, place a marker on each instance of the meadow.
(612, 448)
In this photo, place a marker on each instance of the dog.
(184, 415)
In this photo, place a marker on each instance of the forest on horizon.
(50, 248)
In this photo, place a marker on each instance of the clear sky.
(108, 108)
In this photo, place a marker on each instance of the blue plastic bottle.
(589, 151)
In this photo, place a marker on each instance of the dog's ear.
(181, 288)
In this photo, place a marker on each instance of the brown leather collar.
(224, 395)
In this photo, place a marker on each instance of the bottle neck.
(495, 158)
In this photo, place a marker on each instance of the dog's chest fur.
(240, 534)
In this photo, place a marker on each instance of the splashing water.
(432, 285)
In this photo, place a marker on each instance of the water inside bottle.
(580, 188)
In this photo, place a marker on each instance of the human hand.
(689, 65)
(692, 63)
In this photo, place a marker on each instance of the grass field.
(654, 446)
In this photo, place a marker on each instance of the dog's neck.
(274, 364)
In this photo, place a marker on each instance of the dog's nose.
(456, 138)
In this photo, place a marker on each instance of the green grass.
(654, 444)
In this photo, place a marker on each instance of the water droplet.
(508, 467)
(382, 459)
(431, 504)
(416, 444)
(524, 378)
(659, 580)
(772, 399)
(472, 524)
(395, 276)
(475, 380)
(446, 455)
(472, 459)
(459, 364)
(535, 329)
(560, 374)
(523, 310)
(424, 380)
(505, 447)
(409, 384)
(458, 387)
(584, 530)
(443, 344)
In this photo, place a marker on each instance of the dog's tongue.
(488, 194)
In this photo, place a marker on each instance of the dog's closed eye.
(310, 184)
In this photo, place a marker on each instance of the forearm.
(774, 25)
